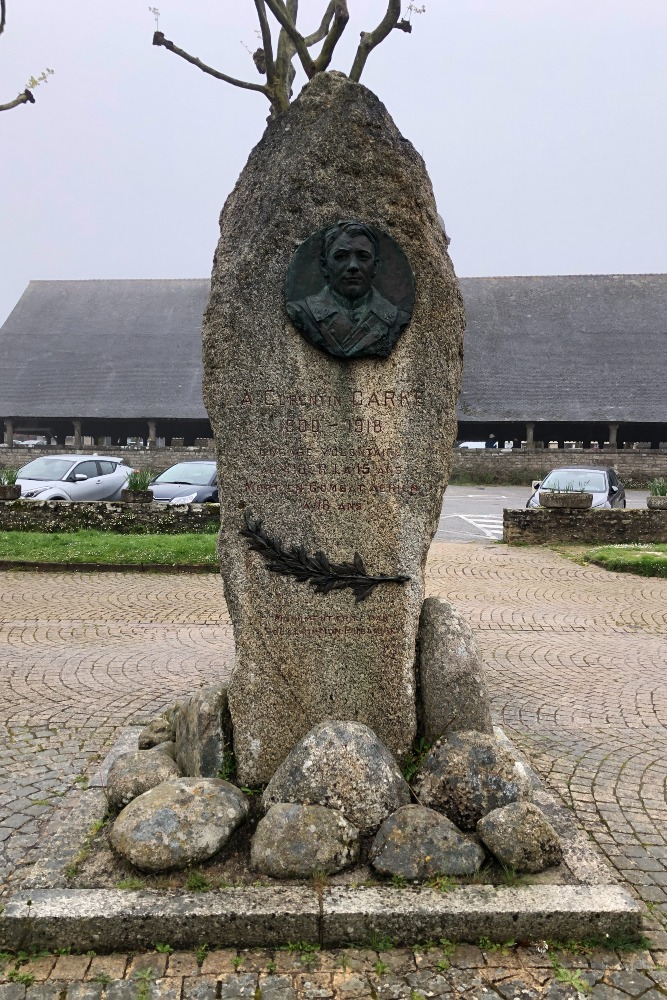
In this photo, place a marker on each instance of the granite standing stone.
(453, 694)
(338, 455)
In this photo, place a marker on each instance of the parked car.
(186, 482)
(31, 443)
(73, 477)
(607, 489)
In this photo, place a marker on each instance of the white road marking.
(489, 525)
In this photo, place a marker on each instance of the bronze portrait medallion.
(350, 290)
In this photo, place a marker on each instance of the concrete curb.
(112, 920)
(45, 567)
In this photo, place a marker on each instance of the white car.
(73, 477)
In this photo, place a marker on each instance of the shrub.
(658, 487)
(8, 477)
(138, 480)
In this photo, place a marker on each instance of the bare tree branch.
(24, 98)
(321, 32)
(281, 15)
(279, 69)
(269, 66)
(369, 39)
(340, 18)
(159, 39)
(285, 72)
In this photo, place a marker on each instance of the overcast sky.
(543, 124)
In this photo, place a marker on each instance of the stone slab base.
(112, 920)
(46, 914)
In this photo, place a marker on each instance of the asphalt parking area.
(475, 513)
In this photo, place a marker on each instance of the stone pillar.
(152, 437)
(310, 652)
(530, 430)
(613, 435)
(9, 433)
(77, 433)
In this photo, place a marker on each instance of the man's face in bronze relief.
(347, 315)
(350, 266)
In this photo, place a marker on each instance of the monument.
(332, 352)
(332, 357)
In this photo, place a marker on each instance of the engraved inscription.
(333, 452)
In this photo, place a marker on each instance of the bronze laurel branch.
(316, 570)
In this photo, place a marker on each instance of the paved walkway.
(576, 660)
(432, 970)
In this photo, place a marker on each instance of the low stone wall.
(123, 518)
(520, 467)
(594, 527)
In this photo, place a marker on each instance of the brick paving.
(576, 660)
(430, 970)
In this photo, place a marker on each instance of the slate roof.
(575, 348)
(569, 347)
(111, 348)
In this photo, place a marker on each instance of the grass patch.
(107, 547)
(644, 560)
(197, 882)
(413, 759)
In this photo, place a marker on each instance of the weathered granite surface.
(180, 822)
(332, 454)
(342, 765)
(202, 731)
(452, 688)
(521, 837)
(468, 775)
(135, 773)
(294, 841)
(418, 843)
(159, 730)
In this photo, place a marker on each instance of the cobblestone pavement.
(576, 659)
(81, 656)
(439, 969)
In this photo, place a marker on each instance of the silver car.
(73, 477)
(604, 484)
